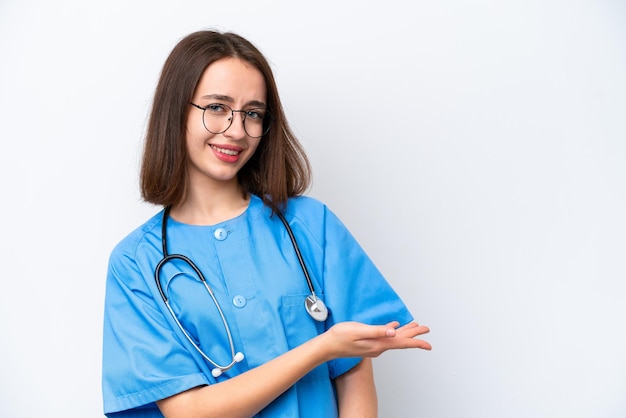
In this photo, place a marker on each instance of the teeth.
(225, 151)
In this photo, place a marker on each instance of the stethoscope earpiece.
(217, 371)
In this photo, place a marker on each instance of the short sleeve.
(354, 288)
(143, 361)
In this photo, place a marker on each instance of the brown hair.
(278, 169)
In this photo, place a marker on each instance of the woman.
(257, 339)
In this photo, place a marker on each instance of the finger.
(411, 324)
(361, 331)
(390, 329)
(414, 331)
(410, 343)
(406, 328)
(424, 345)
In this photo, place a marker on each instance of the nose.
(236, 129)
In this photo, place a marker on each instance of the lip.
(226, 153)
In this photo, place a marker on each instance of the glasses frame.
(267, 119)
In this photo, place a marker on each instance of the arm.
(246, 394)
(356, 392)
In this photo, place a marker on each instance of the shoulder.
(129, 245)
(131, 263)
(308, 211)
(313, 215)
(305, 206)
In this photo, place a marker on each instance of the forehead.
(232, 78)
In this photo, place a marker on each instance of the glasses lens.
(217, 118)
(256, 122)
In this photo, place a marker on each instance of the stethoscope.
(313, 305)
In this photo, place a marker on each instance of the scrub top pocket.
(300, 327)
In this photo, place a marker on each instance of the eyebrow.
(228, 99)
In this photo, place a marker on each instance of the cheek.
(189, 142)
(195, 139)
(195, 148)
(195, 132)
(254, 149)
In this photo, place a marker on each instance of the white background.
(476, 149)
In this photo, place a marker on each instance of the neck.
(209, 207)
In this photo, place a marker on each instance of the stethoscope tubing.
(298, 253)
(169, 257)
(314, 306)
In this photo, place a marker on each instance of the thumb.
(390, 328)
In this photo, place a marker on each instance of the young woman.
(241, 297)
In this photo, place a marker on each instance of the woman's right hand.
(355, 339)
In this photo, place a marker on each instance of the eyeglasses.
(218, 117)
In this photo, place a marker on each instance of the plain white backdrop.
(476, 149)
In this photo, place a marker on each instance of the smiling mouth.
(226, 151)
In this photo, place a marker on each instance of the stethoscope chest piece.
(313, 305)
(316, 308)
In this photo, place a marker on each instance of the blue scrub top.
(251, 266)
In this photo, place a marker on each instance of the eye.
(218, 109)
(255, 114)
